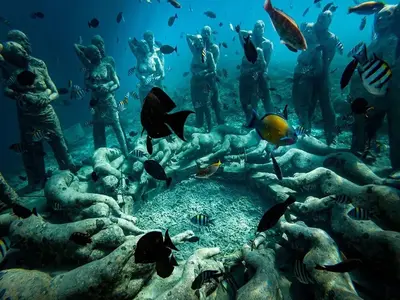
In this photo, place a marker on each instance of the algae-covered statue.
(37, 118)
(102, 80)
(150, 67)
(253, 82)
(154, 48)
(307, 93)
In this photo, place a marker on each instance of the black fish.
(221, 24)
(133, 133)
(94, 23)
(237, 28)
(23, 212)
(154, 117)
(193, 239)
(94, 176)
(174, 3)
(347, 265)
(249, 50)
(23, 178)
(271, 216)
(171, 20)
(165, 266)
(37, 15)
(306, 11)
(119, 17)
(167, 49)
(26, 78)
(347, 73)
(210, 14)
(205, 276)
(5, 21)
(363, 23)
(360, 106)
(285, 112)
(327, 6)
(156, 171)
(185, 74)
(149, 246)
(277, 168)
(18, 148)
(225, 45)
(63, 91)
(80, 238)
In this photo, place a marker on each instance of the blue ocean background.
(52, 41)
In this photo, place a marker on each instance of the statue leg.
(264, 92)
(302, 93)
(328, 114)
(116, 125)
(246, 85)
(99, 132)
(215, 100)
(196, 94)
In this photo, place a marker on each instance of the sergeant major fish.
(202, 219)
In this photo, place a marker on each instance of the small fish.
(5, 21)
(22, 178)
(208, 171)
(250, 50)
(306, 11)
(356, 49)
(94, 176)
(237, 28)
(94, 23)
(203, 277)
(347, 265)
(233, 38)
(120, 17)
(359, 214)
(231, 27)
(225, 73)
(203, 56)
(363, 23)
(174, 3)
(23, 212)
(88, 124)
(37, 15)
(18, 148)
(272, 216)
(334, 70)
(38, 135)
(56, 206)
(155, 170)
(26, 78)
(202, 219)
(63, 91)
(172, 19)
(5, 245)
(133, 133)
(138, 153)
(190, 8)
(340, 47)
(131, 71)
(225, 45)
(301, 273)
(341, 199)
(277, 168)
(80, 238)
(193, 239)
(366, 8)
(122, 104)
(166, 49)
(77, 92)
(185, 74)
(210, 14)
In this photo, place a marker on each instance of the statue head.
(206, 34)
(308, 33)
(385, 18)
(15, 54)
(324, 21)
(143, 47)
(20, 38)
(98, 41)
(93, 54)
(259, 27)
(148, 36)
(198, 42)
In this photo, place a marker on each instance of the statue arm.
(189, 40)
(79, 50)
(160, 68)
(50, 84)
(216, 54)
(114, 83)
(132, 46)
(211, 65)
(89, 83)
(242, 34)
(268, 47)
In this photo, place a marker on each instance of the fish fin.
(177, 122)
(318, 267)
(149, 145)
(362, 55)
(253, 120)
(176, 49)
(165, 101)
(211, 222)
(289, 46)
(285, 112)
(268, 6)
(349, 71)
(169, 180)
(168, 242)
(173, 261)
(34, 211)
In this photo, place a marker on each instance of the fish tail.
(350, 10)
(169, 180)
(34, 211)
(211, 222)
(168, 242)
(176, 16)
(268, 5)
(176, 49)
(361, 55)
(318, 267)
(254, 117)
(177, 122)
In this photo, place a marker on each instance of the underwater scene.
(185, 149)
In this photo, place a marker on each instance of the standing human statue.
(34, 110)
(306, 93)
(101, 79)
(97, 41)
(253, 80)
(149, 67)
(154, 49)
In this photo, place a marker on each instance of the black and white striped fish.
(77, 92)
(355, 49)
(300, 131)
(5, 245)
(205, 276)
(203, 55)
(342, 199)
(359, 214)
(340, 47)
(38, 135)
(56, 206)
(138, 153)
(201, 219)
(301, 272)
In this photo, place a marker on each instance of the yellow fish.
(5, 244)
(208, 171)
(203, 55)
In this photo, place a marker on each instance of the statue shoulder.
(267, 44)
(36, 62)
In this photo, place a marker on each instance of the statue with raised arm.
(35, 113)
(328, 44)
(253, 81)
(148, 36)
(149, 68)
(97, 41)
(102, 80)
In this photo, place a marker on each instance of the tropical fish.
(38, 135)
(77, 92)
(23, 212)
(355, 49)
(286, 28)
(340, 47)
(367, 8)
(5, 245)
(138, 153)
(166, 49)
(203, 58)
(154, 117)
(360, 214)
(174, 3)
(171, 20)
(210, 14)
(274, 128)
(120, 17)
(224, 44)
(347, 265)
(202, 219)
(363, 23)
(94, 23)
(301, 273)
(342, 199)
(208, 171)
(250, 50)
(80, 238)
(205, 276)
(272, 215)
(300, 130)
(123, 103)
(18, 147)
(306, 11)
(131, 71)
(277, 168)
(155, 170)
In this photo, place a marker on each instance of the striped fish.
(202, 219)
(138, 153)
(56, 206)
(10, 81)
(301, 272)
(340, 47)
(18, 147)
(77, 92)
(5, 245)
(359, 214)
(300, 131)
(203, 277)
(38, 135)
(122, 104)
(92, 111)
(356, 49)
(203, 55)
(342, 199)
(134, 95)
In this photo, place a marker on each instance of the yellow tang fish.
(208, 171)
(274, 128)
